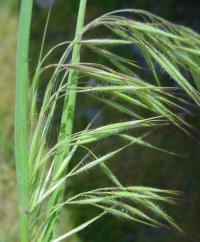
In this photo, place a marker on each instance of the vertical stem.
(67, 120)
(70, 99)
(21, 117)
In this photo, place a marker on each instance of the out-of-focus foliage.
(8, 19)
(8, 204)
(8, 193)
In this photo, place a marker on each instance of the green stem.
(21, 117)
(67, 120)
(70, 100)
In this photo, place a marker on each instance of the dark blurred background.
(138, 166)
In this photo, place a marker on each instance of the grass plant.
(44, 171)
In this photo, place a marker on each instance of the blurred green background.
(138, 166)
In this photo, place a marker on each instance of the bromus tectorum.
(43, 171)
